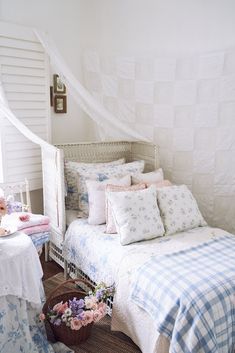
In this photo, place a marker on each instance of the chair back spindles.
(19, 190)
(28, 201)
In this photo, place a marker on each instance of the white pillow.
(111, 171)
(179, 209)
(110, 223)
(71, 168)
(136, 214)
(96, 196)
(151, 177)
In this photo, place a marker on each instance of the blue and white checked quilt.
(190, 295)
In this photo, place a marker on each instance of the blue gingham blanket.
(191, 296)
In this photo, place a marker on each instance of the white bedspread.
(93, 251)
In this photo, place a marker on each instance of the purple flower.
(57, 322)
(99, 294)
(76, 305)
(80, 316)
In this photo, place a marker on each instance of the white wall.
(153, 69)
(64, 21)
(160, 26)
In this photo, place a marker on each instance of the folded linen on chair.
(36, 229)
(39, 239)
(34, 220)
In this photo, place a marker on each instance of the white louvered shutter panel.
(25, 77)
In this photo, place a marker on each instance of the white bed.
(97, 256)
(103, 258)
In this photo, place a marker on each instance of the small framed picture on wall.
(59, 87)
(60, 104)
(51, 96)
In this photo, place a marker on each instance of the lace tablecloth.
(21, 295)
(20, 268)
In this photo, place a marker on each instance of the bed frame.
(54, 184)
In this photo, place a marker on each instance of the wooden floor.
(50, 268)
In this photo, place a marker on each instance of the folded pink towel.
(37, 229)
(13, 219)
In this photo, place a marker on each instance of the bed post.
(66, 273)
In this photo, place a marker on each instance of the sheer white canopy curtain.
(113, 127)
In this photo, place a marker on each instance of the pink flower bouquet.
(76, 313)
(3, 206)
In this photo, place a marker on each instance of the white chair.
(20, 192)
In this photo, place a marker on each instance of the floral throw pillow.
(110, 223)
(179, 209)
(111, 171)
(71, 169)
(136, 215)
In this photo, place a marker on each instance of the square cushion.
(71, 169)
(152, 177)
(136, 214)
(179, 209)
(104, 173)
(96, 196)
(110, 223)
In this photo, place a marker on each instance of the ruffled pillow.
(96, 195)
(110, 223)
(112, 171)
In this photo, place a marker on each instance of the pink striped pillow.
(110, 224)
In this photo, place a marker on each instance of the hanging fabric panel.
(113, 127)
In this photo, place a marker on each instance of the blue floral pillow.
(71, 170)
(179, 209)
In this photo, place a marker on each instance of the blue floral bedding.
(93, 251)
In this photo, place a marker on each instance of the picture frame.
(51, 96)
(60, 104)
(58, 85)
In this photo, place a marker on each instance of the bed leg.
(66, 275)
(47, 257)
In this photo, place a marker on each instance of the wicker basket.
(63, 333)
